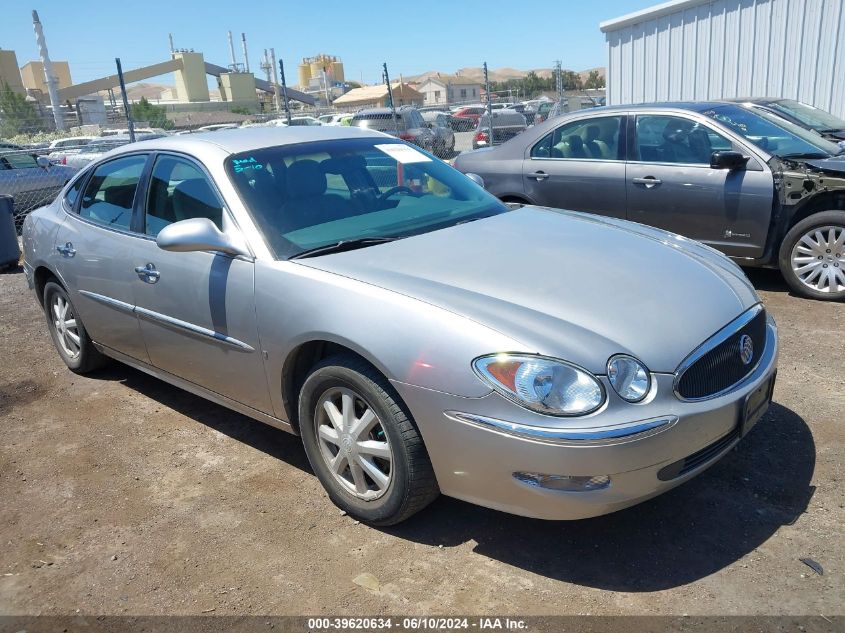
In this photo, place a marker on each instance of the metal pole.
(277, 101)
(390, 97)
(246, 56)
(52, 87)
(489, 103)
(559, 79)
(170, 37)
(234, 66)
(285, 90)
(126, 109)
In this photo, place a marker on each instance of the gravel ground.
(123, 495)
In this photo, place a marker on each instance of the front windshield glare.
(772, 134)
(310, 195)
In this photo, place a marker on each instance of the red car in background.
(466, 118)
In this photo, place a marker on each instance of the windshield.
(808, 115)
(314, 194)
(771, 133)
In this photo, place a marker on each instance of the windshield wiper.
(344, 245)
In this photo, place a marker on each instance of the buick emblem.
(746, 349)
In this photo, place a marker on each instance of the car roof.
(693, 106)
(247, 139)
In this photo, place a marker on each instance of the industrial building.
(32, 75)
(312, 68)
(711, 49)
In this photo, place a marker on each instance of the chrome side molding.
(169, 321)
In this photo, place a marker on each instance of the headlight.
(544, 385)
(629, 377)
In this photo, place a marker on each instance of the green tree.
(155, 115)
(594, 80)
(571, 80)
(17, 116)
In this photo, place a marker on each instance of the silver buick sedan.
(419, 336)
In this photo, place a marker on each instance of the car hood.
(834, 164)
(564, 284)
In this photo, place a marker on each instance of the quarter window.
(110, 193)
(673, 139)
(179, 190)
(587, 139)
(73, 193)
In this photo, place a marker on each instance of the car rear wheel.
(68, 332)
(812, 256)
(362, 444)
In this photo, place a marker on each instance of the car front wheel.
(812, 256)
(362, 444)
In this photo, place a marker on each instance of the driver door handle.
(648, 181)
(148, 273)
(538, 175)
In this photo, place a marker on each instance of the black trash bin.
(9, 250)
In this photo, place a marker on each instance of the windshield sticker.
(240, 164)
(404, 154)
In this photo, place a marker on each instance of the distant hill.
(476, 73)
(152, 92)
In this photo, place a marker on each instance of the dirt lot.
(121, 494)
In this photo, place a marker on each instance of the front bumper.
(475, 460)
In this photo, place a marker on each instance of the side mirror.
(728, 160)
(42, 161)
(478, 180)
(197, 234)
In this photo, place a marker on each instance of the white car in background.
(96, 148)
(58, 149)
(336, 119)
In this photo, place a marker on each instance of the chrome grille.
(718, 365)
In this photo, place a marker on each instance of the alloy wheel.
(818, 259)
(353, 443)
(67, 330)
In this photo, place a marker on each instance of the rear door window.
(586, 139)
(110, 193)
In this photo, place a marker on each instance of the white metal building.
(710, 49)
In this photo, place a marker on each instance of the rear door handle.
(148, 273)
(538, 175)
(67, 250)
(648, 181)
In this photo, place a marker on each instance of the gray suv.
(407, 125)
(752, 185)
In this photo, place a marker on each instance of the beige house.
(377, 96)
(450, 89)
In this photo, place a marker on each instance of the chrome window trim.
(714, 341)
(607, 435)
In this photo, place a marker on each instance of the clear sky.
(412, 37)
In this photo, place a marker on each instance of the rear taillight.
(406, 137)
(64, 160)
(481, 137)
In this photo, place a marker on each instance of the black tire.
(836, 259)
(412, 483)
(88, 358)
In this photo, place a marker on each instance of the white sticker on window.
(403, 153)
